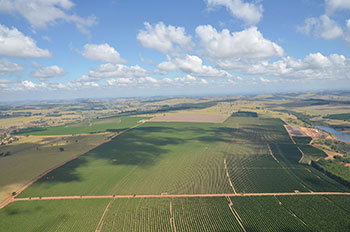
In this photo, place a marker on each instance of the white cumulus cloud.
(102, 52)
(14, 43)
(313, 66)
(192, 65)
(163, 38)
(248, 43)
(48, 72)
(248, 12)
(322, 27)
(336, 5)
(7, 66)
(41, 13)
(31, 85)
(117, 70)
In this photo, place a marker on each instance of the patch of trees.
(344, 117)
(28, 130)
(245, 114)
(336, 145)
(182, 106)
(302, 117)
(339, 179)
(4, 154)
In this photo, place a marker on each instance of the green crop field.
(184, 214)
(203, 214)
(302, 139)
(311, 153)
(188, 158)
(307, 177)
(266, 214)
(294, 213)
(336, 168)
(54, 215)
(33, 155)
(94, 126)
(138, 215)
(258, 213)
(150, 159)
(248, 153)
(320, 213)
(345, 116)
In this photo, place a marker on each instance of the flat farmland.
(189, 118)
(154, 158)
(33, 155)
(188, 158)
(157, 159)
(293, 213)
(235, 213)
(93, 126)
(57, 215)
(320, 213)
(257, 130)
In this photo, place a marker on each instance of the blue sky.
(61, 49)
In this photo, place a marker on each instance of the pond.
(341, 136)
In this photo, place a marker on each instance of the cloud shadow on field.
(65, 173)
(141, 146)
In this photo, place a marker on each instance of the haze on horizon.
(64, 49)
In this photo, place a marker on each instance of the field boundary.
(285, 127)
(12, 198)
(184, 196)
(235, 214)
(100, 224)
(228, 176)
(302, 155)
(271, 153)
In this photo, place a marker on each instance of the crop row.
(265, 213)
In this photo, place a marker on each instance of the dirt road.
(184, 195)
(11, 199)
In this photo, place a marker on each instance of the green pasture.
(93, 126)
(33, 155)
(345, 116)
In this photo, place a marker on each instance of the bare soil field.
(295, 131)
(189, 118)
(304, 131)
(315, 133)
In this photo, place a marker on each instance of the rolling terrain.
(244, 174)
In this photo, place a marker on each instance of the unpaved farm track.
(184, 196)
(11, 199)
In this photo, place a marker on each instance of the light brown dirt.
(228, 177)
(331, 154)
(290, 131)
(315, 133)
(100, 224)
(271, 153)
(302, 155)
(235, 214)
(189, 118)
(305, 131)
(183, 196)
